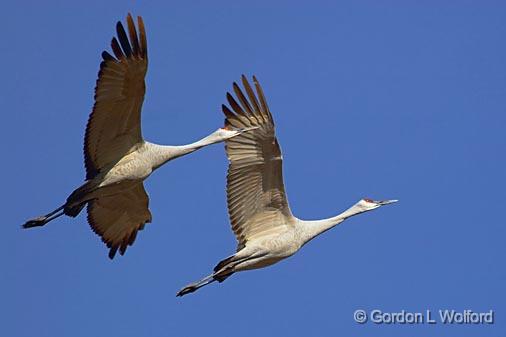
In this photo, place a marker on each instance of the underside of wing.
(114, 126)
(257, 202)
(118, 218)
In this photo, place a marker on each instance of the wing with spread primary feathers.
(257, 202)
(118, 218)
(114, 125)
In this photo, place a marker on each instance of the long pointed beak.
(231, 132)
(241, 130)
(386, 202)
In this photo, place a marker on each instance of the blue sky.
(388, 99)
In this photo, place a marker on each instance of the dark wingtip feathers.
(133, 36)
(122, 247)
(229, 116)
(117, 49)
(112, 252)
(143, 39)
(107, 57)
(123, 39)
(125, 46)
(250, 107)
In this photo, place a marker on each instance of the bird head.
(367, 204)
(230, 132)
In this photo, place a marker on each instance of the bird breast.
(282, 245)
(134, 166)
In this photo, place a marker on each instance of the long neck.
(313, 228)
(163, 153)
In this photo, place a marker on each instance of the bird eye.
(368, 200)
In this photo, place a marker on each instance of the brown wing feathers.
(118, 218)
(134, 47)
(254, 180)
(247, 113)
(124, 51)
(113, 128)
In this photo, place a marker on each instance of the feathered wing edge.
(122, 51)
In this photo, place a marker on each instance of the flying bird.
(265, 228)
(116, 156)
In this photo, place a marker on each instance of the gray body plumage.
(116, 156)
(258, 208)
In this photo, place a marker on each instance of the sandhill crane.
(261, 219)
(116, 157)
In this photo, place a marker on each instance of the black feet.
(37, 222)
(187, 290)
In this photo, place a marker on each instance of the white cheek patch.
(367, 204)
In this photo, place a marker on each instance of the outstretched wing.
(257, 202)
(118, 218)
(114, 125)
